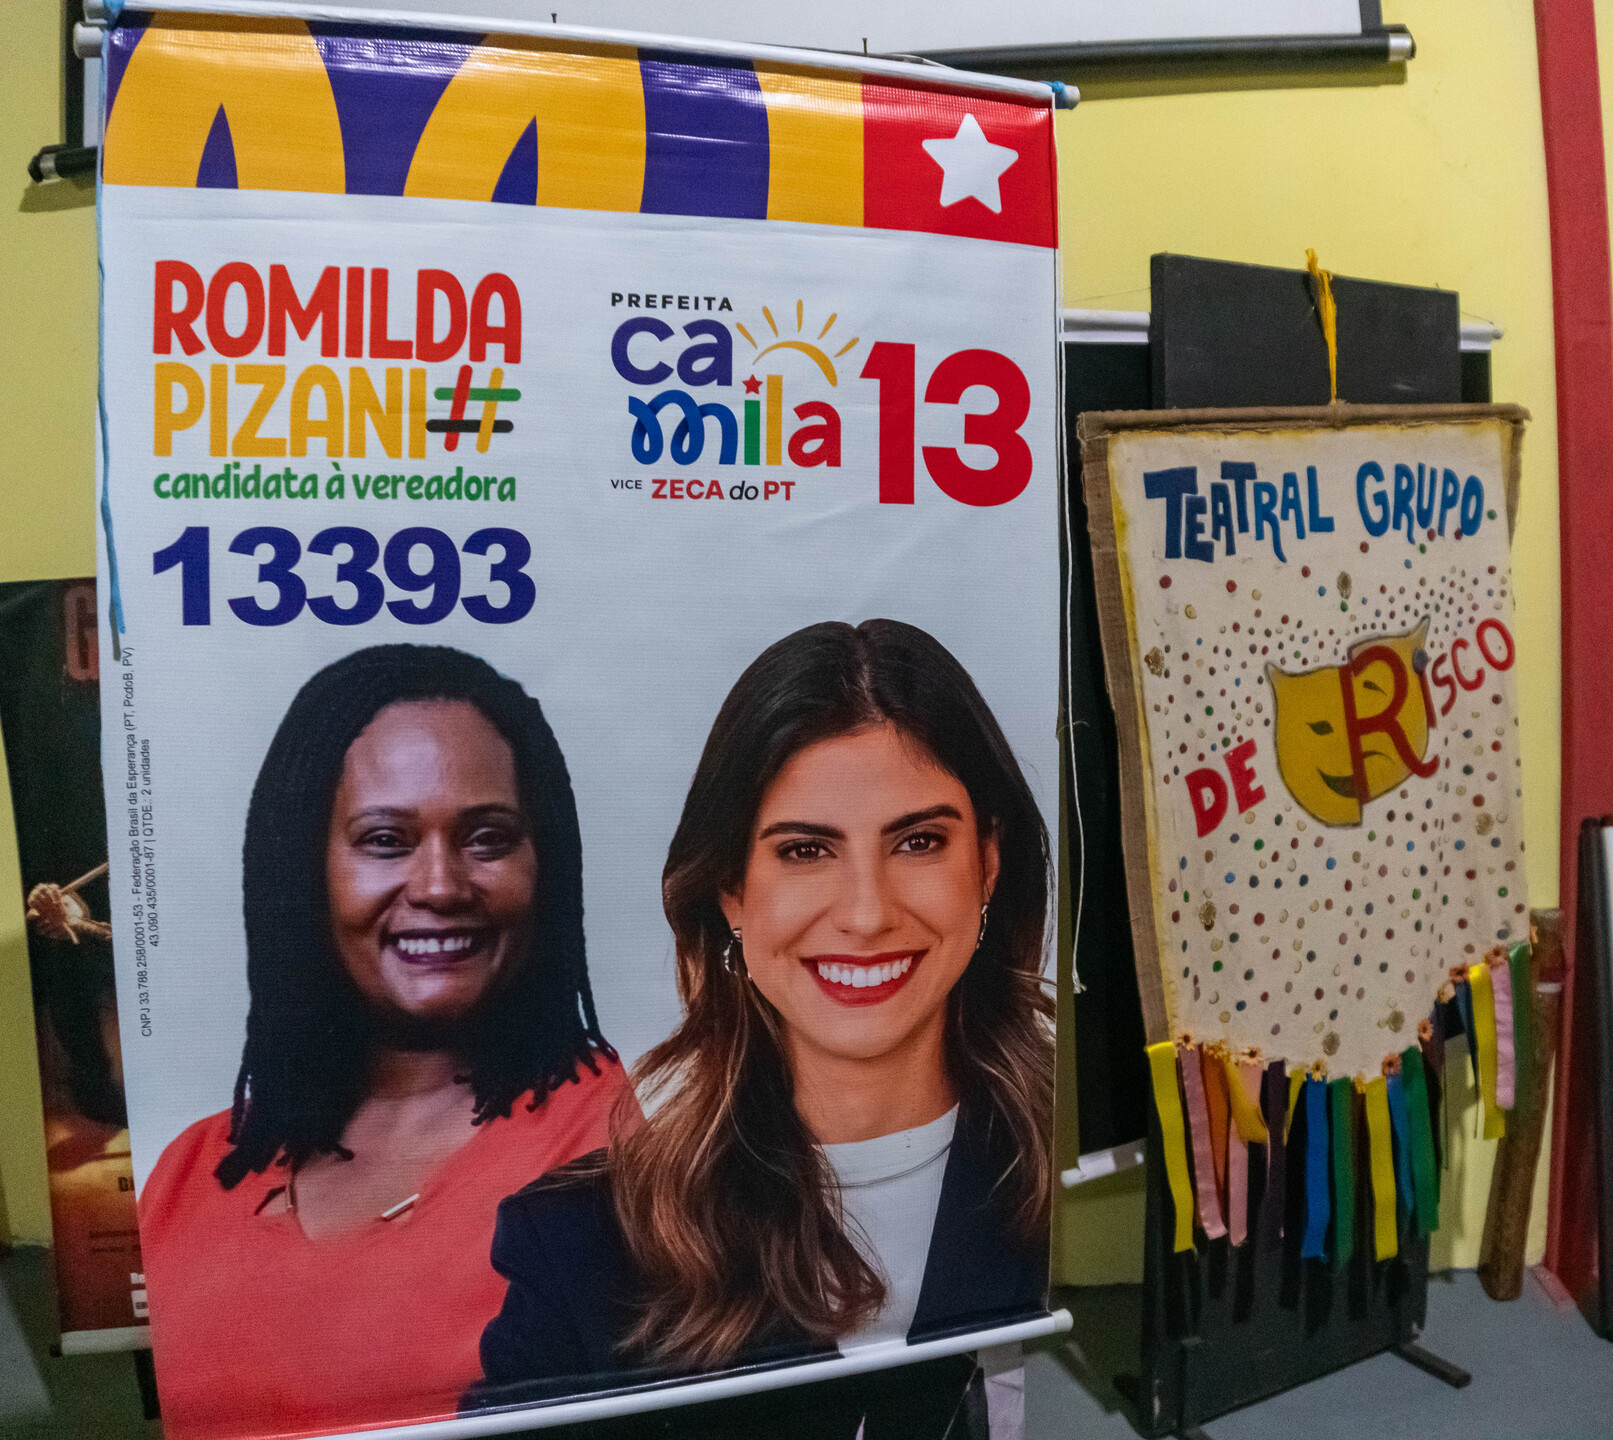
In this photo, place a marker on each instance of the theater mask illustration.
(1349, 733)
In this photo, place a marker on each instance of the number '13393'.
(420, 561)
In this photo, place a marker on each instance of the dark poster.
(50, 720)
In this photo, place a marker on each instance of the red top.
(260, 1331)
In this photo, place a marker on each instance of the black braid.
(303, 1071)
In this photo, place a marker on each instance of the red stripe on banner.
(958, 165)
(1571, 116)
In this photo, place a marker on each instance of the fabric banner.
(580, 560)
(1318, 636)
(51, 724)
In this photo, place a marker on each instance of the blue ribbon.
(1464, 1006)
(1318, 1204)
(1400, 1122)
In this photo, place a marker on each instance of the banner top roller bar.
(916, 70)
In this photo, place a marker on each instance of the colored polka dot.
(1164, 582)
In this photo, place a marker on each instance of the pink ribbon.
(1237, 1185)
(1505, 1064)
(1198, 1124)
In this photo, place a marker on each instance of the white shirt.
(890, 1189)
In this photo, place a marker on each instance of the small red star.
(753, 386)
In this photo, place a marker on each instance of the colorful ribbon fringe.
(1230, 1128)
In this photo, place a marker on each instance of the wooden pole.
(1512, 1182)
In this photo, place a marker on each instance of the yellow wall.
(1436, 181)
(1439, 180)
(47, 407)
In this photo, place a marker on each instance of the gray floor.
(1538, 1371)
(43, 1397)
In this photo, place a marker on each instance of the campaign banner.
(580, 560)
(51, 724)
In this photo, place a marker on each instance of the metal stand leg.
(1192, 1432)
(146, 1373)
(1441, 1369)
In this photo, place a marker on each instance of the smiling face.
(1313, 727)
(861, 902)
(429, 866)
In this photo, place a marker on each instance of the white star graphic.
(971, 166)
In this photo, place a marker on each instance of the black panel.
(1223, 1328)
(1476, 377)
(1226, 334)
(1111, 1066)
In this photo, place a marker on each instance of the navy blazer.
(575, 1291)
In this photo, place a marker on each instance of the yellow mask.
(1349, 733)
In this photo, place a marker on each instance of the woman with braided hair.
(421, 1040)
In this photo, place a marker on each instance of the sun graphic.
(807, 347)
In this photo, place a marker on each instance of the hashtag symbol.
(485, 428)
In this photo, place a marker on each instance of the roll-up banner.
(579, 581)
(50, 719)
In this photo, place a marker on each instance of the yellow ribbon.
(1245, 1114)
(1478, 979)
(1173, 1132)
(1386, 1241)
(1329, 313)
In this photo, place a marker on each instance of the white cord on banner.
(1069, 669)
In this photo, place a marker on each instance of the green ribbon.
(1425, 1173)
(1341, 1100)
(1523, 1021)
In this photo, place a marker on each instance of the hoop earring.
(728, 955)
(980, 939)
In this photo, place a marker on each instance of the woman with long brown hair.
(848, 1135)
